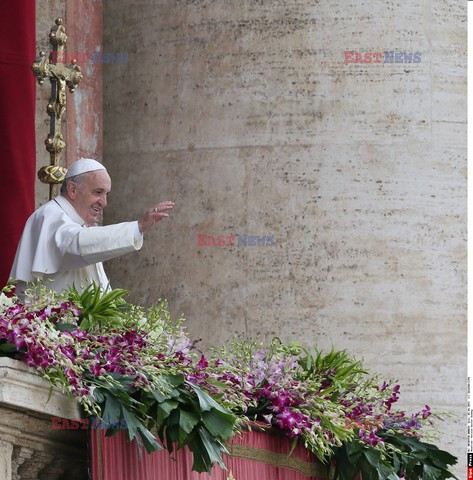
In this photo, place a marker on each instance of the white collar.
(64, 203)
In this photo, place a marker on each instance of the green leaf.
(294, 444)
(206, 402)
(345, 469)
(112, 411)
(385, 471)
(214, 448)
(84, 324)
(368, 472)
(219, 424)
(432, 473)
(99, 396)
(7, 348)
(441, 458)
(164, 409)
(148, 439)
(174, 380)
(158, 396)
(372, 456)
(172, 428)
(201, 461)
(396, 461)
(354, 451)
(137, 431)
(187, 421)
(65, 327)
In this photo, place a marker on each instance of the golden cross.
(60, 74)
(230, 476)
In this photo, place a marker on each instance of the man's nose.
(103, 201)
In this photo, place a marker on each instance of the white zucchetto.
(84, 165)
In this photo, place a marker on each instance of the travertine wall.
(247, 116)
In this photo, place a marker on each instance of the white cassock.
(59, 249)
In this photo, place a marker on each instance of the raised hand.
(154, 215)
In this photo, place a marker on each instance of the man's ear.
(71, 189)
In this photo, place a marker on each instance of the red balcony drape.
(17, 127)
(253, 456)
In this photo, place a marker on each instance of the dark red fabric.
(114, 458)
(17, 127)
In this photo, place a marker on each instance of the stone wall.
(247, 116)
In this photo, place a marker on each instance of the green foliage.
(187, 416)
(99, 310)
(7, 349)
(179, 412)
(117, 402)
(355, 457)
(415, 459)
(337, 367)
(418, 459)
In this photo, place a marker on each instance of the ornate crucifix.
(60, 74)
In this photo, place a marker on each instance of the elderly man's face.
(89, 195)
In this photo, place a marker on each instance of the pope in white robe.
(61, 244)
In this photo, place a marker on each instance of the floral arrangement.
(122, 361)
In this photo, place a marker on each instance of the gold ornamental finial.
(60, 75)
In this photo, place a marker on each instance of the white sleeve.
(137, 234)
(98, 244)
